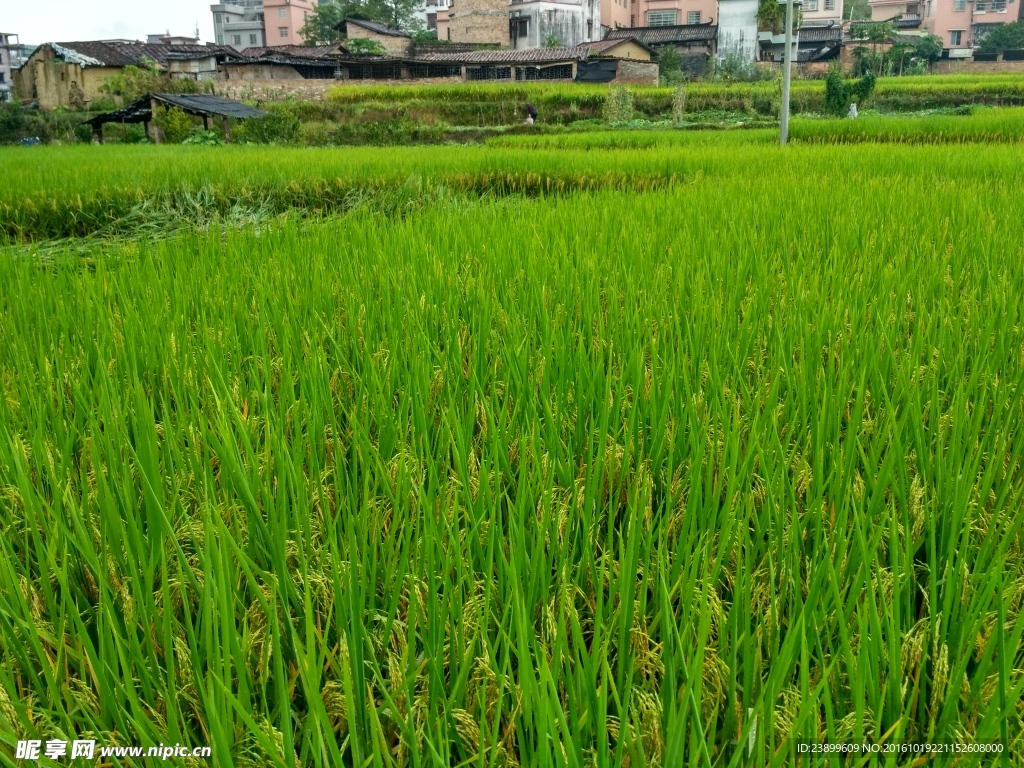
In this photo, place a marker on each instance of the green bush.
(839, 93)
(279, 126)
(175, 123)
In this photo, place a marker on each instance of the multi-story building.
(10, 62)
(284, 20)
(259, 23)
(239, 24)
(432, 12)
(671, 13)
(960, 24)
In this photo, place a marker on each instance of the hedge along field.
(585, 480)
(493, 104)
(79, 191)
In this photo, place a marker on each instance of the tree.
(321, 25)
(1008, 37)
(857, 10)
(928, 48)
(670, 71)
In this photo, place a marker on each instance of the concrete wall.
(396, 46)
(637, 73)
(478, 21)
(310, 90)
(571, 21)
(629, 50)
(56, 84)
(258, 72)
(737, 29)
(967, 66)
(615, 13)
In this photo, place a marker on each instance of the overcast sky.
(41, 21)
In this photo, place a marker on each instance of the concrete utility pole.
(787, 70)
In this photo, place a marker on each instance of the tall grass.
(603, 478)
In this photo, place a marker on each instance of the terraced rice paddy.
(541, 457)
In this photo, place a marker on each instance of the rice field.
(651, 455)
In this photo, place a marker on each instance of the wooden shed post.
(206, 122)
(151, 130)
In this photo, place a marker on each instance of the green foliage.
(280, 125)
(133, 82)
(362, 46)
(1007, 37)
(857, 10)
(176, 124)
(321, 25)
(840, 93)
(669, 66)
(618, 107)
(208, 138)
(552, 41)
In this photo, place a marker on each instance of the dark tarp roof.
(597, 71)
(194, 103)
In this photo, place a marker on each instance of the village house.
(960, 24)
(393, 41)
(72, 74)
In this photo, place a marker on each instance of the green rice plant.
(578, 477)
(991, 126)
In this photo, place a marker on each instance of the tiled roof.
(526, 56)
(681, 33)
(603, 46)
(373, 26)
(297, 51)
(833, 34)
(116, 54)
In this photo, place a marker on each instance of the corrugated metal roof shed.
(141, 111)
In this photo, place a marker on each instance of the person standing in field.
(531, 114)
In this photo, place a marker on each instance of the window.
(281, 13)
(2, 76)
(956, 36)
(236, 39)
(830, 5)
(216, 18)
(661, 18)
(998, 6)
(220, 39)
(519, 27)
(252, 39)
(959, 5)
(431, 21)
(812, 5)
(693, 17)
(305, 15)
(282, 31)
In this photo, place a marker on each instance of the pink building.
(960, 24)
(670, 13)
(283, 19)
